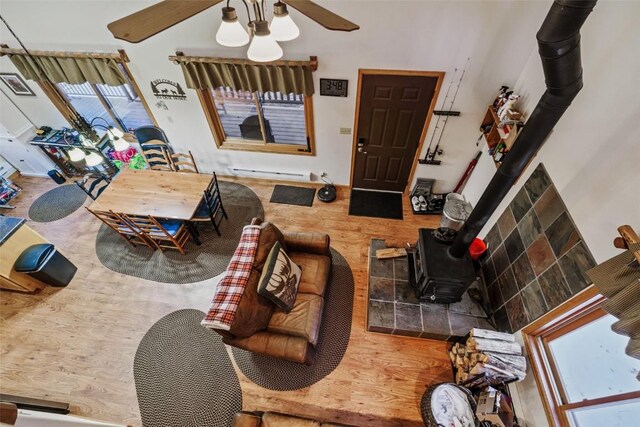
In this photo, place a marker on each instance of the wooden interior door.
(393, 111)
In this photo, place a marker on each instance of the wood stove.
(435, 275)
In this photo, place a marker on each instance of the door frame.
(364, 71)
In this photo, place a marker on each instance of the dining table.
(161, 194)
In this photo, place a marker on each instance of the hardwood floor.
(77, 344)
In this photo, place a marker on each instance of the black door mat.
(376, 204)
(290, 195)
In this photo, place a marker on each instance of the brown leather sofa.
(262, 328)
(273, 419)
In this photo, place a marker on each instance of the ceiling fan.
(263, 35)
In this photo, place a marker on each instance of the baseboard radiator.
(266, 174)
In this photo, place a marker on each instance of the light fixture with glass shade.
(75, 154)
(264, 38)
(116, 136)
(263, 47)
(86, 142)
(93, 159)
(283, 29)
(231, 33)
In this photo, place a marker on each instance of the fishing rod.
(444, 102)
(430, 155)
(78, 121)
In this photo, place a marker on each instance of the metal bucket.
(455, 213)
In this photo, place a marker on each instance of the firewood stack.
(488, 358)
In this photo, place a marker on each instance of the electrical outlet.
(345, 131)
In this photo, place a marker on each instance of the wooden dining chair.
(164, 234)
(150, 134)
(183, 162)
(211, 208)
(125, 229)
(158, 159)
(93, 188)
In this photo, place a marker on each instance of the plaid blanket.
(229, 291)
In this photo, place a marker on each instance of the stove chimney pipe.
(559, 48)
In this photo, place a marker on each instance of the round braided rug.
(200, 262)
(184, 376)
(283, 375)
(57, 203)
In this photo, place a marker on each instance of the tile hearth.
(536, 258)
(394, 308)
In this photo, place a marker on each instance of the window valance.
(238, 74)
(69, 67)
(618, 279)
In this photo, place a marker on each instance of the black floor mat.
(377, 204)
(290, 195)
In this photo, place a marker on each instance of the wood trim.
(248, 145)
(211, 115)
(108, 107)
(425, 128)
(213, 119)
(136, 88)
(602, 400)
(36, 404)
(361, 72)
(181, 58)
(309, 123)
(8, 413)
(546, 387)
(588, 299)
(5, 50)
(356, 120)
(260, 118)
(589, 317)
(580, 305)
(60, 102)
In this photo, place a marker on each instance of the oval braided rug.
(200, 262)
(57, 203)
(184, 376)
(283, 375)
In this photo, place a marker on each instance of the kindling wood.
(475, 366)
(391, 253)
(494, 335)
(495, 346)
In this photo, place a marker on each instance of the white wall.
(593, 154)
(420, 35)
(37, 109)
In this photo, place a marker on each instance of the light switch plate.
(345, 131)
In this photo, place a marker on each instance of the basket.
(425, 404)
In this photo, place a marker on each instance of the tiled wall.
(537, 257)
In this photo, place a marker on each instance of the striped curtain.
(252, 77)
(70, 70)
(618, 279)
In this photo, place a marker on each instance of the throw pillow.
(269, 235)
(280, 279)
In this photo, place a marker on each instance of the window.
(260, 121)
(585, 377)
(120, 106)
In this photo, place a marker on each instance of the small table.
(173, 195)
